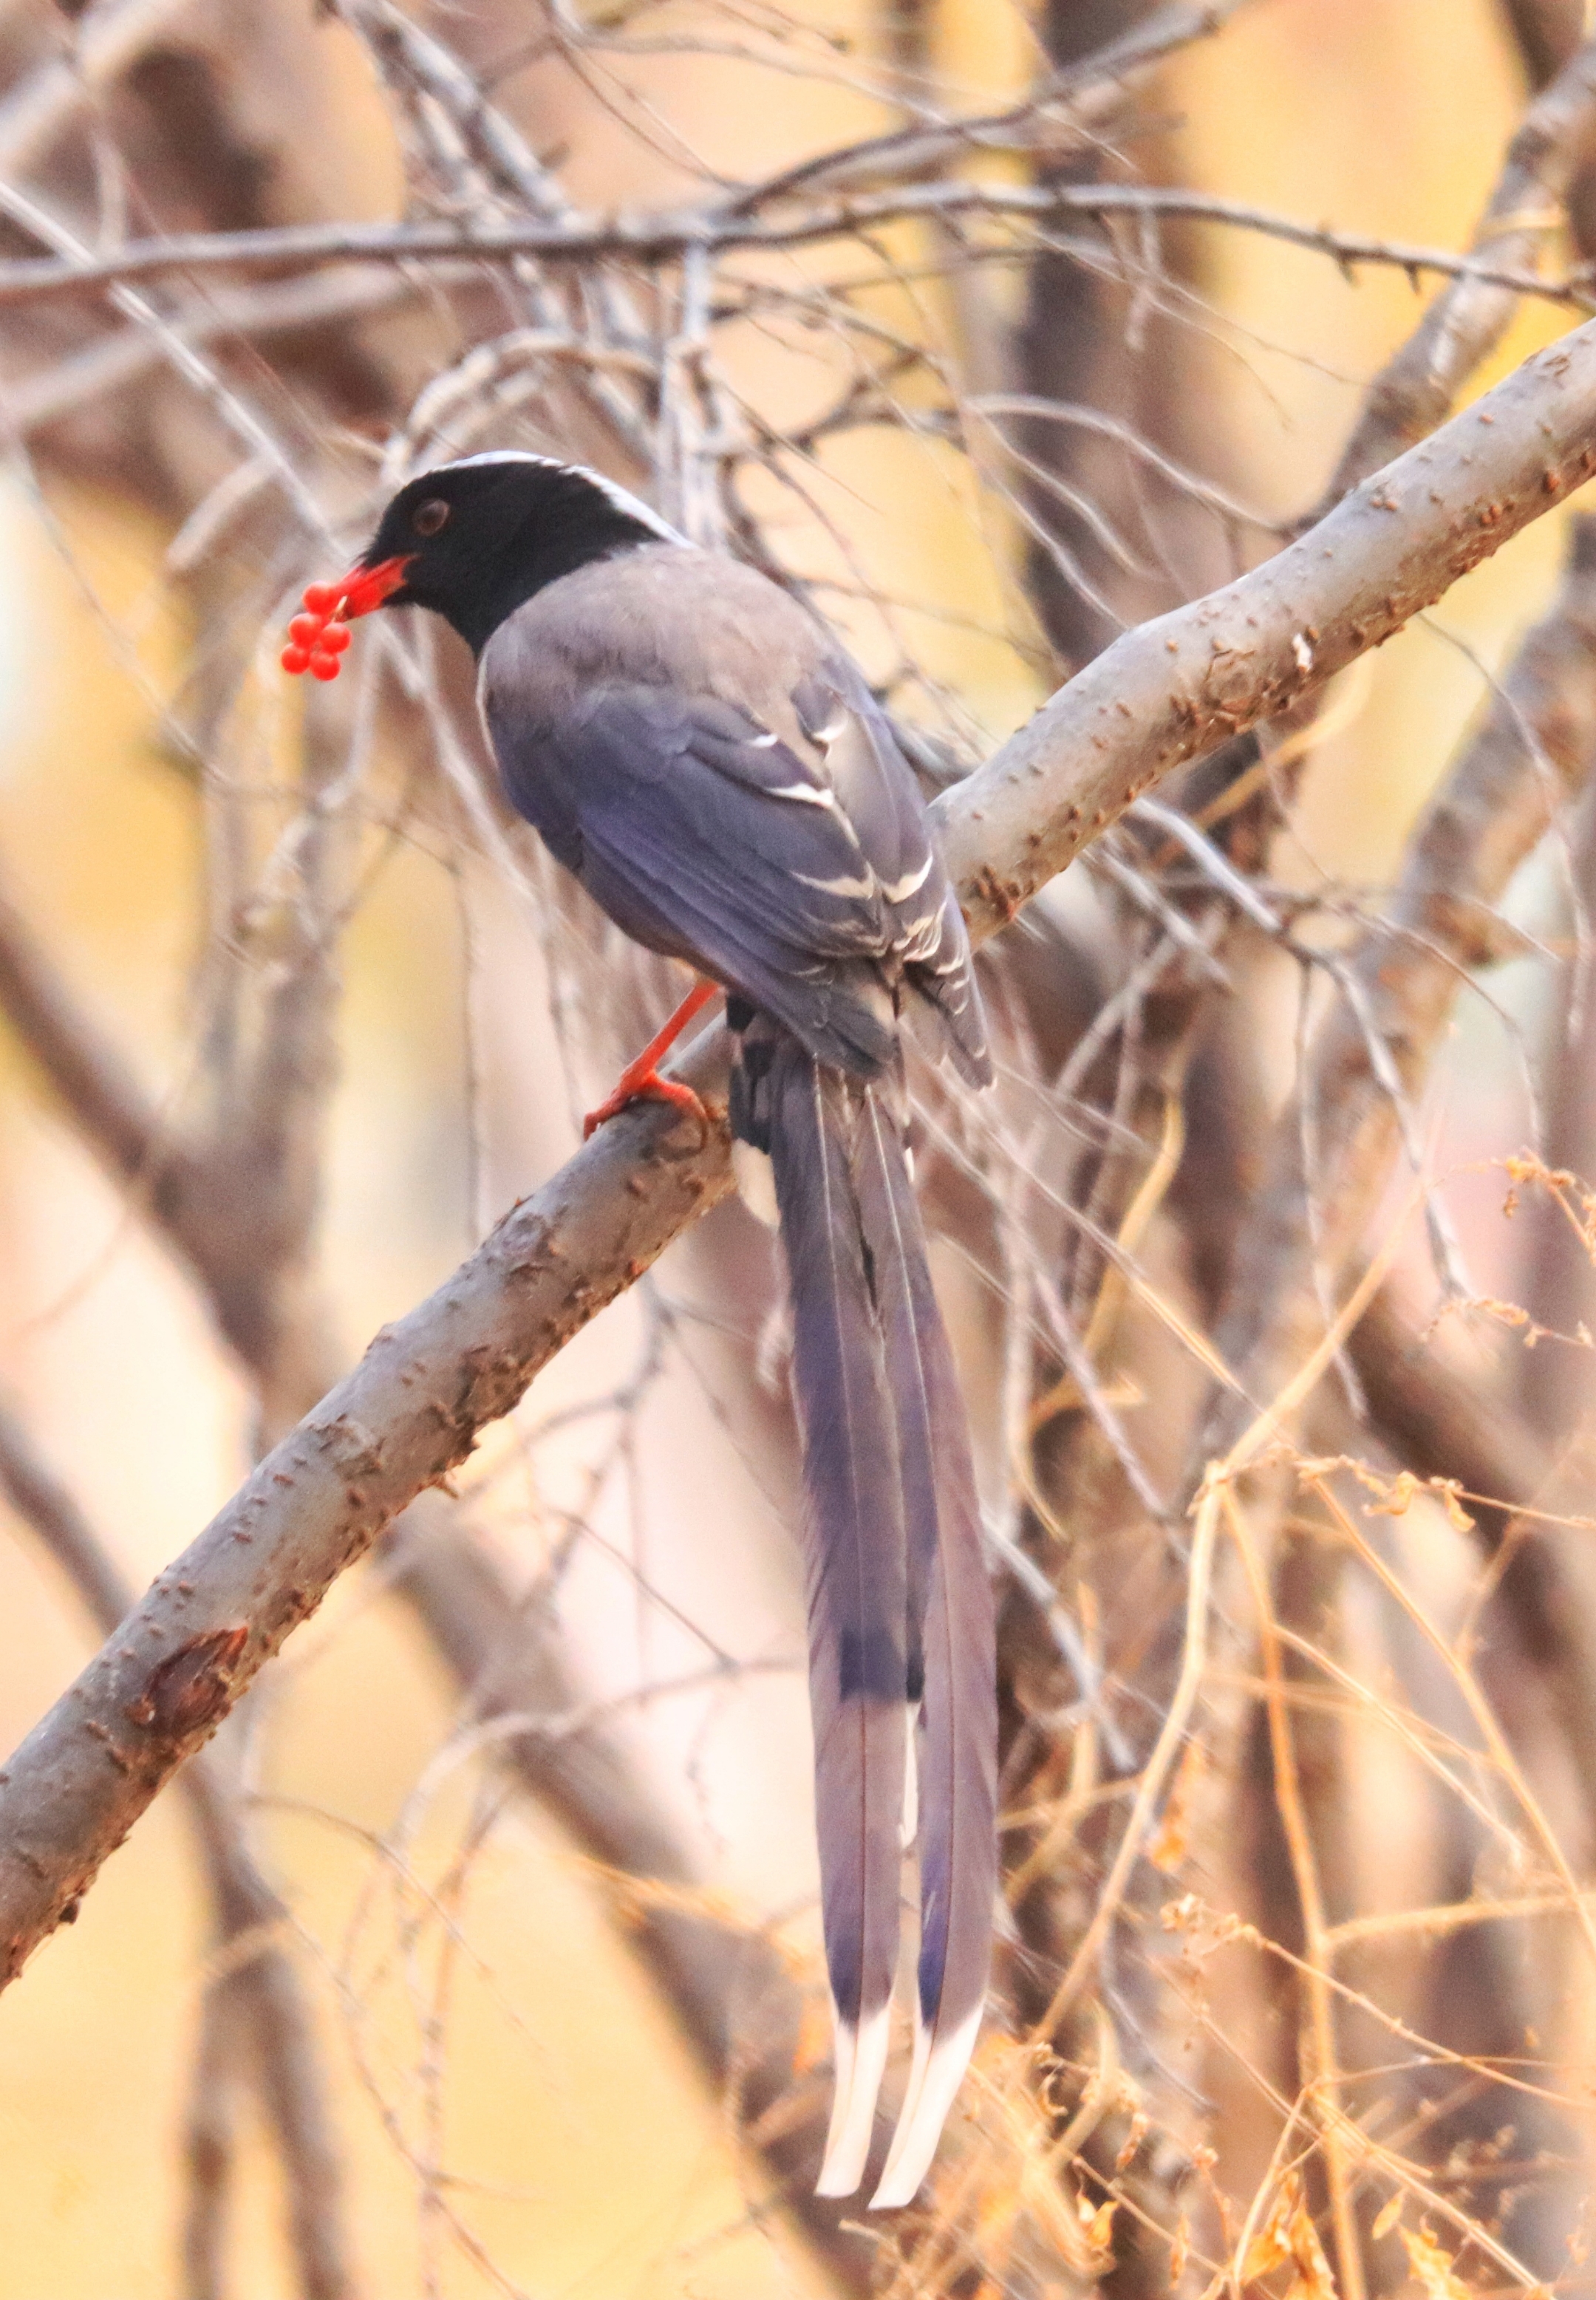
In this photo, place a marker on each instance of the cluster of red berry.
(317, 638)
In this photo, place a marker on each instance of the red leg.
(642, 1079)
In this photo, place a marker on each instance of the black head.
(477, 537)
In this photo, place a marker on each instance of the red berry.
(295, 659)
(335, 638)
(321, 598)
(305, 631)
(323, 666)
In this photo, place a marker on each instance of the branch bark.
(656, 237)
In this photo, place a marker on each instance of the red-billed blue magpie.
(710, 764)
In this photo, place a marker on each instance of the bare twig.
(1066, 113)
(656, 237)
(1417, 385)
(1536, 744)
(37, 111)
(1559, 1283)
(1442, 1424)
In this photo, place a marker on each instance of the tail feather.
(810, 1117)
(951, 1637)
(899, 1605)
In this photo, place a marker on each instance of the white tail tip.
(859, 2062)
(939, 2064)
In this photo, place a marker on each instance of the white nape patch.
(756, 1180)
(859, 2062)
(620, 497)
(901, 890)
(933, 2080)
(805, 791)
(908, 1827)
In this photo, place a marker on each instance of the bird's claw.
(646, 1086)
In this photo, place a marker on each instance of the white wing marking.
(851, 890)
(902, 888)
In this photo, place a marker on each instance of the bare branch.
(1066, 114)
(37, 110)
(1548, 33)
(1558, 1285)
(1439, 1422)
(1417, 385)
(82, 1063)
(1174, 688)
(275, 309)
(1536, 744)
(656, 237)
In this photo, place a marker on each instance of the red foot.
(638, 1085)
(640, 1081)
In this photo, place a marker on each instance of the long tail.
(951, 1631)
(858, 1586)
(899, 1606)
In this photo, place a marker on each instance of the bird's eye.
(432, 515)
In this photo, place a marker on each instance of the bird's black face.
(474, 539)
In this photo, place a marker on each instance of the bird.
(701, 753)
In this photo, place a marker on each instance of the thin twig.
(657, 236)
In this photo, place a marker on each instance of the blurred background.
(292, 1012)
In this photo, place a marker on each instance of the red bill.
(318, 637)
